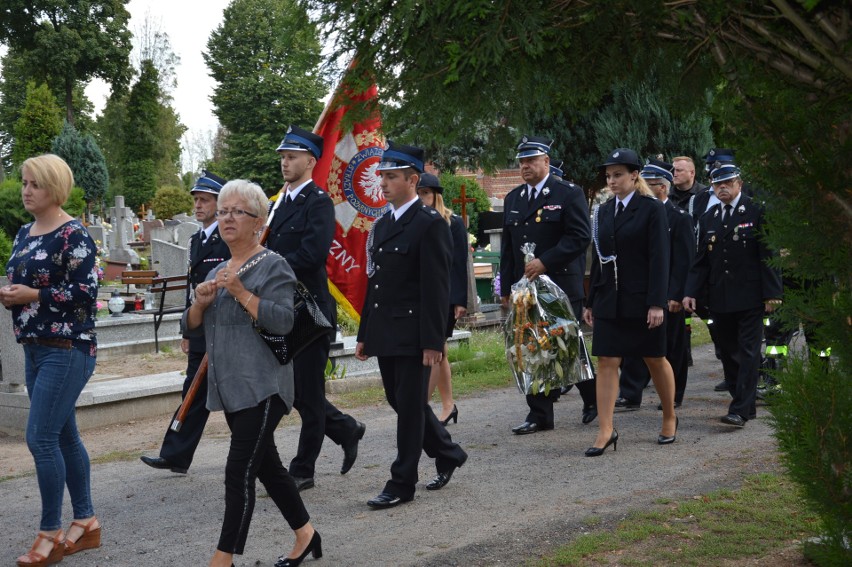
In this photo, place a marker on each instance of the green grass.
(766, 514)
(477, 365)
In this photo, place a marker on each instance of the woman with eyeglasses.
(245, 380)
(628, 292)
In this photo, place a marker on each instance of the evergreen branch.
(826, 49)
(829, 29)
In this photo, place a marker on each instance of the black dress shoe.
(350, 448)
(314, 547)
(669, 439)
(734, 419)
(387, 500)
(626, 404)
(161, 463)
(721, 387)
(589, 414)
(528, 427)
(660, 405)
(598, 451)
(443, 478)
(303, 482)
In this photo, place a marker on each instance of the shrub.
(5, 248)
(14, 214)
(170, 201)
(811, 415)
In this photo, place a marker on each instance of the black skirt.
(451, 321)
(628, 337)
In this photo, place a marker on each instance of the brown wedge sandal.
(90, 539)
(35, 559)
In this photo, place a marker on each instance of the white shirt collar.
(538, 186)
(625, 200)
(401, 211)
(209, 230)
(293, 193)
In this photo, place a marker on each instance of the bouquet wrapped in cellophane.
(543, 337)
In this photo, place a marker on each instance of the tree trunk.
(69, 100)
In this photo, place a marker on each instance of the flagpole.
(335, 95)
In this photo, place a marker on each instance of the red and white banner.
(347, 170)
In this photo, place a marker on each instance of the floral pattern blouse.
(62, 265)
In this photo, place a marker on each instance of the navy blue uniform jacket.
(640, 238)
(733, 262)
(302, 232)
(407, 302)
(202, 259)
(561, 235)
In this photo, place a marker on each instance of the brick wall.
(497, 185)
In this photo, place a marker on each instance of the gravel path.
(517, 496)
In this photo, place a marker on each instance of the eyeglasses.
(236, 213)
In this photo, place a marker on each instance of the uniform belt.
(48, 342)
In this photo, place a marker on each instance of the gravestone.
(98, 234)
(183, 217)
(148, 226)
(12, 378)
(184, 231)
(169, 260)
(496, 204)
(119, 251)
(164, 233)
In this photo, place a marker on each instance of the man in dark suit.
(206, 251)
(301, 230)
(732, 261)
(552, 214)
(634, 373)
(404, 321)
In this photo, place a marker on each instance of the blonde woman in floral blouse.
(52, 293)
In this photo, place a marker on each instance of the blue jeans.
(55, 378)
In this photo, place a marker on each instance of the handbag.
(309, 324)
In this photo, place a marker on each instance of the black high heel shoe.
(666, 440)
(454, 415)
(598, 451)
(314, 547)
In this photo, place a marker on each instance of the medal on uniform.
(736, 237)
(736, 234)
(709, 247)
(538, 216)
(713, 238)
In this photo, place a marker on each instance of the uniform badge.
(553, 207)
(615, 155)
(545, 191)
(524, 193)
(741, 209)
(713, 238)
(716, 214)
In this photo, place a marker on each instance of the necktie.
(619, 209)
(726, 216)
(203, 237)
(288, 199)
(532, 193)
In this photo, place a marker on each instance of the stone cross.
(121, 217)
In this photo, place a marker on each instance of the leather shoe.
(528, 427)
(443, 478)
(303, 482)
(589, 414)
(161, 463)
(734, 419)
(350, 448)
(721, 387)
(624, 403)
(387, 500)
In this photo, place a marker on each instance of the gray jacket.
(242, 371)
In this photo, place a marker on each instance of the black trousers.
(635, 375)
(253, 455)
(739, 336)
(406, 382)
(179, 447)
(541, 406)
(319, 416)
